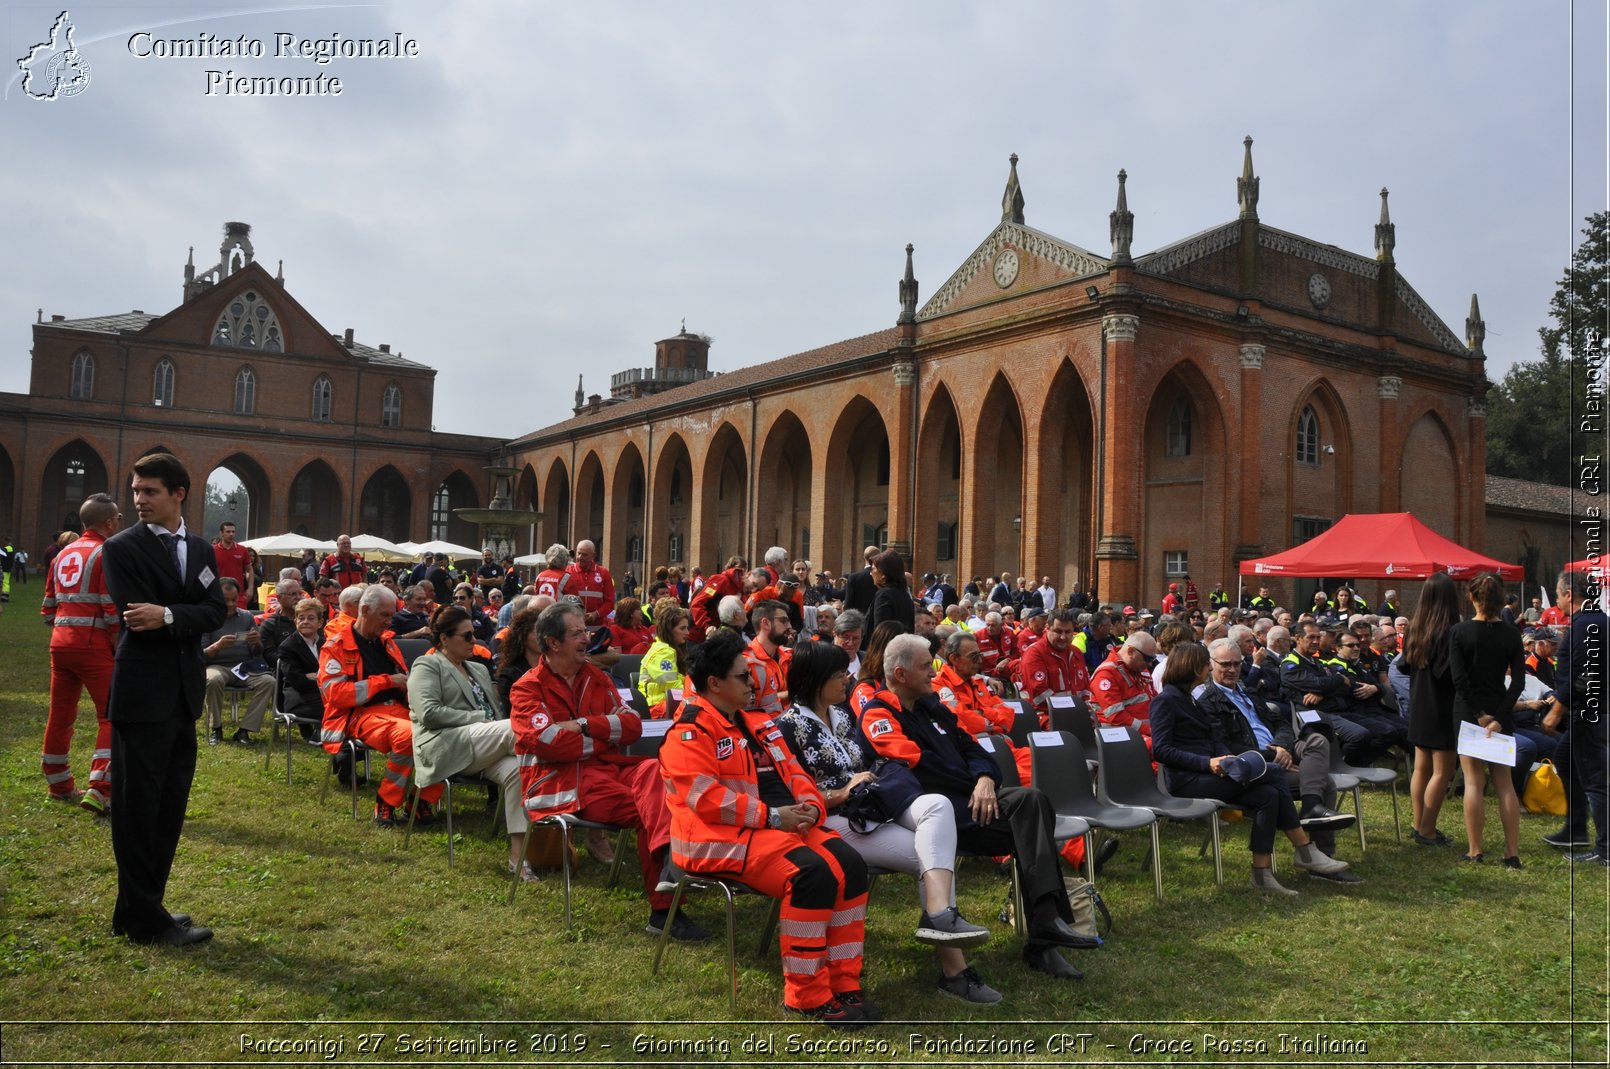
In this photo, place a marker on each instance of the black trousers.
(1023, 829)
(1266, 799)
(154, 764)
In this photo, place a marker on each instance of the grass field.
(333, 942)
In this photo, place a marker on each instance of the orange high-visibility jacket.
(1120, 698)
(766, 675)
(712, 786)
(346, 687)
(977, 708)
(551, 756)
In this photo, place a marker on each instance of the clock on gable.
(1318, 289)
(1006, 265)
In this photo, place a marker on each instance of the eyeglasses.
(466, 634)
(742, 673)
(1349, 645)
(1228, 664)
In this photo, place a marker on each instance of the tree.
(1547, 414)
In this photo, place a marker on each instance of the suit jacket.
(300, 694)
(157, 673)
(1184, 735)
(1216, 703)
(440, 703)
(859, 590)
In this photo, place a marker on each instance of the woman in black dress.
(1432, 728)
(893, 599)
(1480, 652)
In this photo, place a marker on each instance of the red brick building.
(1051, 410)
(325, 433)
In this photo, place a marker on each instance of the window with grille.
(440, 512)
(1180, 419)
(162, 384)
(673, 549)
(249, 323)
(1308, 437)
(1305, 527)
(245, 392)
(949, 541)
(322, 391)
(83, 385)
(391, 407)
(1176, 562)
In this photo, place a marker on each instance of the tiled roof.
(827, 356)
(1528, 496)
(113, 324)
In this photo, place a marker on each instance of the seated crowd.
(822, 733)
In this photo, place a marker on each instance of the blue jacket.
(1579, 680)
(1184, 735)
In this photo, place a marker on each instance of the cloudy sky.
(546, 189)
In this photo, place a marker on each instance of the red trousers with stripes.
(72, 671)
(380, 728)
(631, 796)
(823, 884)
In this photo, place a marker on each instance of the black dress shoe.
(174, 936)
(181, 919)
(1046, 959)
(1323, 816)
(1105, 851)
(1056, 932)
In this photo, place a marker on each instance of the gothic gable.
(196, 321)
(1040, 259)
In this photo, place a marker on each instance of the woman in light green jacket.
(458, 726)
(664, 666)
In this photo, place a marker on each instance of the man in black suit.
(859, 589)
(164, 582)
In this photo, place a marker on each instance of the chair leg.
(670, 915)
(411, 801)
(1020, 918)
(1358, 809)
(732, 947)
(1218, 849)
(1157, 864)
(447, 806)
(1397, 825)
(1090, 858)
(355, 777)
(329, 774)
(564, 865)
(773, 915)
(620, 857)
(288, 746)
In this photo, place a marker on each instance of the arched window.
(83, 387)
(440, 512)
(245, 392)
(391, 406)
(1180, 418)
(162, 384)
(1308, 437)
(249, 323)
(322, 391)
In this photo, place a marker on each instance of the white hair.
(350, 597)
(1240, 633)
(777, 556)
(905, 651)
(291, 573)
(371, 598)
(731, 611)
(1224, 645)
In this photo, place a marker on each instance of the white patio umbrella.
(375, 548)
(456, 552)
(532, 560)
(286, 545)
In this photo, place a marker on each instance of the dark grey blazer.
(157, 673)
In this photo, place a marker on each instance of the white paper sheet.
(654, 729)
(1475, 742)
(1110, 734)
(1062, 701)
(1045, 738)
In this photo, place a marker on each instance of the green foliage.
(1546, 414)
(329, 930)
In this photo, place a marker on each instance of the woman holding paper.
(1480, 652)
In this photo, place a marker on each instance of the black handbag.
(883, 798)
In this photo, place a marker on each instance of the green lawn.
(333, 942)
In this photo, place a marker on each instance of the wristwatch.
(167, 616)
(774, 819)
(582, 721)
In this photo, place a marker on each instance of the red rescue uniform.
(767, 675)
(999, 653)
(593, 589)
(565, 770)
(370, 708)
(344, 570)
(707, 598)
(719, 827)
(83, 638)
(1045, 672)
(1120, 697)
(551, 582)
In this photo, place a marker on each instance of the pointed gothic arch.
(723, 497)
(628, 508)
(669, 540)
(940, 457)
(385, 507)
(1064, 525)
(252, 506)
(72, 473)
(783, 487)
(314, 508)
(589, 520)
(994, 485)
(555, 524)
(857, 467)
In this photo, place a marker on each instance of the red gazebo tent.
(1600, 567)
(1383, 545)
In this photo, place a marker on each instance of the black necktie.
(172, 542)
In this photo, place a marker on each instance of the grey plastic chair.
(1060, 771)
(1126, 779)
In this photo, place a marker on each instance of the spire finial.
(1475, 329)
(1121, 224)
(1012, 199)
(1386, 235)
(279, 273)
(1246, 187)
(908, 292)
(581, 396)
(684, 324)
